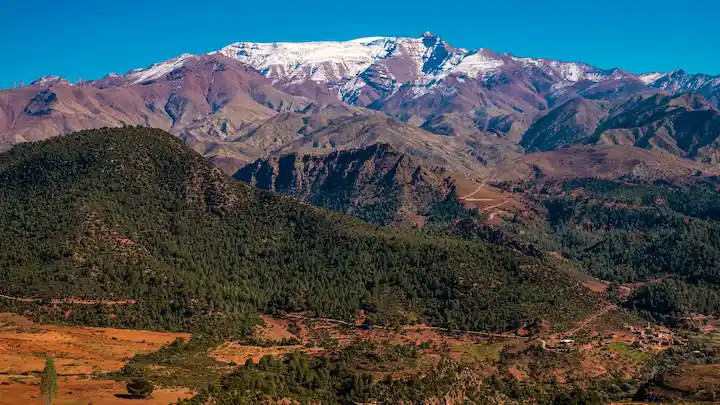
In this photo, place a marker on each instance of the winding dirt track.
(590, 319)
(19, 299)
(473, 193)
(76, 301)
(496, 205)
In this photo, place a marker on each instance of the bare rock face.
(41, 104)
(376, 183)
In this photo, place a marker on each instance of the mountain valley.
(385, 220)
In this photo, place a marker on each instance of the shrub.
(140, 388)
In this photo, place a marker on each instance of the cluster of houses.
(642, 337)
(653, 336)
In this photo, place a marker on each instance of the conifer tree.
(48, 384)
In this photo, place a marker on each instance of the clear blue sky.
(88, 39)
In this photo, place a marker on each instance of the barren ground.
(79, 352)
(79, 391)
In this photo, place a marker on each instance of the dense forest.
(131, 213)
(632, 231)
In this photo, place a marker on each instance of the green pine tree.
(48, 385)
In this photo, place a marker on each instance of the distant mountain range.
(455, 108)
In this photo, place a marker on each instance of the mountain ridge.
(459, 109)
(282, 61)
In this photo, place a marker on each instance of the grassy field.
(623, 349)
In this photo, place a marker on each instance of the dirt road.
(70, 300)
(590, 319)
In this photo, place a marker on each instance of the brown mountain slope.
(570, 123)
(600, 161)
(376, 183)
(343, 127)
(365, 127)
(686, 125)
(207, 100)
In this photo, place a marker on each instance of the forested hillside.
(132, 213)
(635, 232)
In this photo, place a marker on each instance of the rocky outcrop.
(376, 183)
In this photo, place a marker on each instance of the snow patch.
(566, 71)
(157, 70)
(47, 81)
(326, 61)
(649, 78)
(476, 63)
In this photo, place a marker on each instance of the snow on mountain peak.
(649, 78)
(678, 81)
(367, 40)
(425, 58)
(475, 63)
(387, 64)
(564, 71)
(325, 61)
(48, 81)
(157, 70)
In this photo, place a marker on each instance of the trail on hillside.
(70, 300)
(496, 205)
(473, 193)
(19, 299)
(590, 319)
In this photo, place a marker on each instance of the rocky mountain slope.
(463, 110)
(377, 183)
(685, 125)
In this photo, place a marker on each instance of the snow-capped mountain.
(368, 71)
(470, 107)
(430, 58)
(371, 71)
(318, 61)
(383, 63)
(680, 82)
(157, 70)
(47, 81)
(390, 62)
